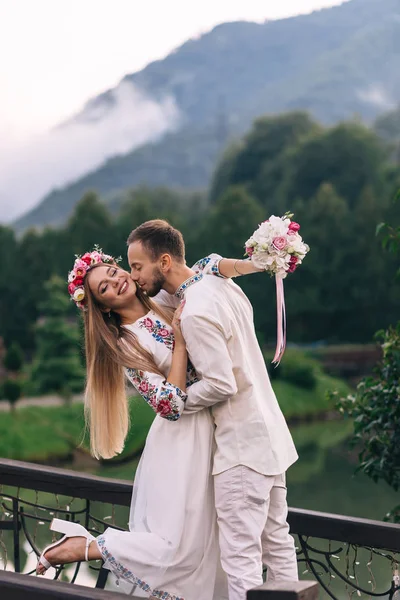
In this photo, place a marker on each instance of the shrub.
(12, 391)
(375, 410)
(297, 368)
(299, 373)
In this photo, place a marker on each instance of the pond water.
(323, 478)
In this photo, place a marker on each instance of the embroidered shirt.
(217, 324)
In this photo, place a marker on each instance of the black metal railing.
(345, 555)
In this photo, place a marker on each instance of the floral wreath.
(82, 265)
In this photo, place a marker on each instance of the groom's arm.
(207, 345)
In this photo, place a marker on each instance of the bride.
(171, 549)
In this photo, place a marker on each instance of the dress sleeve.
(167, 400)
(209, 265)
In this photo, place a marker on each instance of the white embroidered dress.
(171, 550)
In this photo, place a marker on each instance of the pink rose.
(163, 332)
(81, 264)
(250, 251)
(144, 386)
(279, 242)
(164, 408)
(148, 322)
(71, 288)
(294, 226)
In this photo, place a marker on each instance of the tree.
(260, 152)
(12, 386)
(9, 289)
(11, 391)
(349, 156)
(14, 358)
(57, 366)
(90, 224)
(34, 264)
(317, 298)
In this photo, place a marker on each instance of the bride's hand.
(176, 325)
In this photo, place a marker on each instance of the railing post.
(17, 562)
(285, 590)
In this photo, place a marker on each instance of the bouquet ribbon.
(281, 321)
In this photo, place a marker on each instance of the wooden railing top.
(14, 586)
(65, 481)
(362, 532)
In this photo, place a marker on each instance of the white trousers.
(252, 512)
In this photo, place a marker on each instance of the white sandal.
(69, 529)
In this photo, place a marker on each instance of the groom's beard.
(157, 283)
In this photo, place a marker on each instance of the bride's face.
(112, 287)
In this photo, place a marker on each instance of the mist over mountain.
(167, 124)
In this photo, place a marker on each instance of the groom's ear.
(165, 262)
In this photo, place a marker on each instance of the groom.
(253, 445)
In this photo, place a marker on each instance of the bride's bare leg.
(71, 550)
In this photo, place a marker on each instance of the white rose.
(297, 244)
(278, 226)
(261, 237)
(263, 229)
(79, 294)
(71, 277)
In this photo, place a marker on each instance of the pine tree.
(57, 366)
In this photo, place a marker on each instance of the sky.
(56, 54)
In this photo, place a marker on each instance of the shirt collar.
(180, 292)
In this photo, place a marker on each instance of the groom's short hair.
(159, 237)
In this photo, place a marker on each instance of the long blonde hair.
(110, 348)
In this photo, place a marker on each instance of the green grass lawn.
(40, 433)
(296, 401)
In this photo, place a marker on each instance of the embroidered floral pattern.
(190, 281)
(191, 375)
(120, 571)
(164, 401)
(158, 331)
(215, 269)
(201, 264)
(209, 265)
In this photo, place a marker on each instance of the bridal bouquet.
(278, 248)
